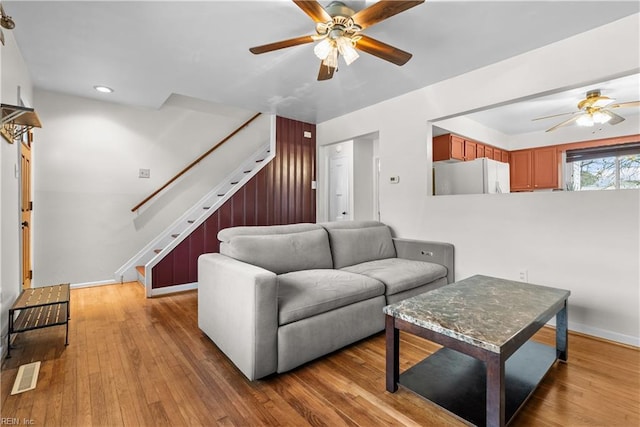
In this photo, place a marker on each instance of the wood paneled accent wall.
(279, 194)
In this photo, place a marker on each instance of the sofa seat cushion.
(399, 274)
(303, 294)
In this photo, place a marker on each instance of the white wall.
(86, 179)
(502, 234)
(363, 179)
(14, 76)
(473, 130)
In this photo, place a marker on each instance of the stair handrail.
(195, 162)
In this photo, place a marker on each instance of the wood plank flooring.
(133, 361)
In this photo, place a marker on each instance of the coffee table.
(487, 367)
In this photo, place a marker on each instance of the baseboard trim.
(92, 284)
(601, 334)
(174, 289)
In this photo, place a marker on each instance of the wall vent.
(27, 378)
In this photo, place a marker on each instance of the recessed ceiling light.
(103, 89)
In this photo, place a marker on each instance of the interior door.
(339, 189)
(26, 207)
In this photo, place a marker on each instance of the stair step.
(140, 269)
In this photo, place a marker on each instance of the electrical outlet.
(394, 179)
(524, 276)
(144, 173)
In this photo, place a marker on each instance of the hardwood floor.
(136, 361)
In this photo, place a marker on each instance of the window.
(603, 168)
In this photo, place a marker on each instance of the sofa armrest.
(238, 310)
(420, 250)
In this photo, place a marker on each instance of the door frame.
(26, 209)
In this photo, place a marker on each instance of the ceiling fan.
(5, 22)
(339, 33)
(594, 109)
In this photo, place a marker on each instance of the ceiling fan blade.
(565, 123)
(615, 118)
(325, 72)
(555, 115)
(314, 10)
(382, 10)
(383, 50)
(625, 104)
(281, 44)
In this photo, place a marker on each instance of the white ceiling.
(148, 50)
(516, 117)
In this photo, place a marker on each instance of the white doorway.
(348, 180)
(339, 188)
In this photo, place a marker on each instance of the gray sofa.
(276, 297)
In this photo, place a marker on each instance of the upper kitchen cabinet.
(470, 150)
(479, 150)
(488, 152)
(448, 147)
(497, 154)
(455, 147)
(534, 169)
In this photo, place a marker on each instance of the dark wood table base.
(457, 383)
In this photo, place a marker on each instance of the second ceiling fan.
(339, 33)
(594, 109)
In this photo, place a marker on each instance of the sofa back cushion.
(280, 249)
(353, 242)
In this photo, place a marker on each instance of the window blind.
(600, 152)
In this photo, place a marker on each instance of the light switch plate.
(394, 179)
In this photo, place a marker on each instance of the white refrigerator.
(477, 176)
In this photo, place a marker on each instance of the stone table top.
(483, 311)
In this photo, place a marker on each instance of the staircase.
(140, 266)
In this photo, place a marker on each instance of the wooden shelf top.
(22, 116)
(35, 297)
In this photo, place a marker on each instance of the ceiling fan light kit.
(338, 33)
(598, 117)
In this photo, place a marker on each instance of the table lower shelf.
(457, 382)
(41, 317)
